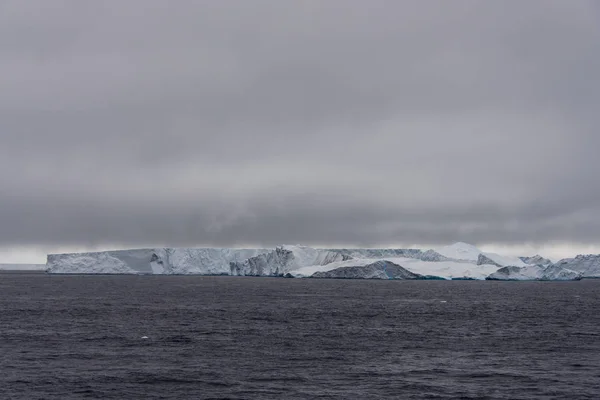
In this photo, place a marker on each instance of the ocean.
(194, 337)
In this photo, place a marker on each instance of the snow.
(305, 272)
(449, 269)
(377, 270)
(442, 269)
(305, 256)
(588, 265)
(468, 252)
(535, 273)
(528, 273)
(460, 251)
(505, 261)
(203, 261)
(457, 261)
(537, 260)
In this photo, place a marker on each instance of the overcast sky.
(136, 123)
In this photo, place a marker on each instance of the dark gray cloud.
(341, 122)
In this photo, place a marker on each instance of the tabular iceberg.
(297, 261)
(458, 261)
(203, 261)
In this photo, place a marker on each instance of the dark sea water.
(78, 337)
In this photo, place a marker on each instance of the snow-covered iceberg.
(499, 261)
(467, 252)
(287, 258)
(202, 261)
(588, 265)
(301, 261)
(535, 273)
(457, 261)
(460, 251)
(429, 269)
(536, 260)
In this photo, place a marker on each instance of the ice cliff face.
(298, 261)
(207, 261)
(458, 261)
(588, 265)
(96, 263)
(535, 273)
(274, 263)
(288, 258)
(285, 259)
(204, 261)
(249, 262)
(304, 255)
(376, 270)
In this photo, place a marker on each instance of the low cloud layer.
(142, 123)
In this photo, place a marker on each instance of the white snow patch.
(442, 269)
(448, 269)
(505, 261)
(460, 251)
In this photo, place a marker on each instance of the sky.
(138, 123)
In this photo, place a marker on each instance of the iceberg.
(535, 273)
(274, 263)
(98, 263)
(427, 255)
(290, 260)
(588, 265)
(376, 270)
(431, 269)
(467, 252)
(460, 251)
(286, 258)
(173, 261)
(457, 261)
(536, 260)
(499, 261)
(449, 269)
(206, 261)
(303, 261)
